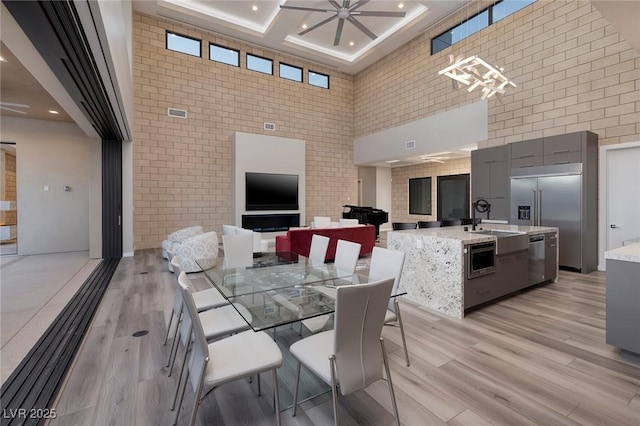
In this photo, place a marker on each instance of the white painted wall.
(53, 154)
(266, 154)
(451, 129)
(383, 192)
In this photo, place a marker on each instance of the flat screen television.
(271, 191)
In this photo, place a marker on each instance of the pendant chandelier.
(477, 73)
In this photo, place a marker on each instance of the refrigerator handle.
(534, 216)
(539, 207)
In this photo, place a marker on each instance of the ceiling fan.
(10, 106)
(345, 12)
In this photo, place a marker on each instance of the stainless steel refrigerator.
(551, 196)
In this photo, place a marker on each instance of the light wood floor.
(536, 358)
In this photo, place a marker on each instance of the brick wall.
(574, 72)
(182, 167)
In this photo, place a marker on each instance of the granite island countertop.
(628, 253)
(433, 273)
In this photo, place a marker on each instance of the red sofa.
(299, 240)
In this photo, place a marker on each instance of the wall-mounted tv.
(271, 191)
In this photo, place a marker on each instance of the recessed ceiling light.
(2, 59)
(437, 154)
(304, 26)
(52, 111)
(351, 43)
(254, 7)
(400, 5)
(392, 161)
(469, 149)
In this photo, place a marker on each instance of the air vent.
(270, 126)
(410, 145)
(177, 113)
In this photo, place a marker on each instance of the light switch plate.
(46, 187)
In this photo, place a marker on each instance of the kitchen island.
(437, 267)
(623, 294)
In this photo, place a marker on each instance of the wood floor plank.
(537, 358)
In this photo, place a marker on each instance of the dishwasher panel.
(536, 267)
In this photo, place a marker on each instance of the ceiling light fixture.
(351, 43)
(254, 8)
(2, 59)
(475, 72)
(400, 5)
(392, 161)
(52, 111)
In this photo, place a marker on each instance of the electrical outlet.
(418, 243)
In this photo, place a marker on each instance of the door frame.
(603, 203)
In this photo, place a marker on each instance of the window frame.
(490, 21)
(259, 57)
(424, 182)
(318, 73)
(291, 66)
(227, 48)
(166, 43)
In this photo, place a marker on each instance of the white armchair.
(178, 237)
(203, 246)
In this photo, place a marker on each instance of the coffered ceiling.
(367, 33)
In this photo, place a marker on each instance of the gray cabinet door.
(563, 158)
(562, 144)
(526, 149)
(518, 163)
(481, 180)
(499, 179)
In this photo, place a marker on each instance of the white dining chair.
(319, 246)
(238, 250)
(218, 322)
(204, 300)
(387, 263)
(321, 222)
(214, 364)
(347, 254)
(349, 357)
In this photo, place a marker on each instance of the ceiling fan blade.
(346, 3)
(362, 28)
(308, 9)
(357, 4)
(11, 104)
(11, 109)
(336, 42)
(335, 4)
(385, 14)
(319, 24)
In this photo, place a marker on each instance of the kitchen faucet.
(481, 205)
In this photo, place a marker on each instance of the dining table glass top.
(279, 288)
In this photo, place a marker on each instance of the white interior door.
(623, 196)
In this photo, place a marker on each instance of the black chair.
(451, 222)
(399, 226)
(429, 224)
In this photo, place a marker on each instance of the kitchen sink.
(498, 233)
(507, 241)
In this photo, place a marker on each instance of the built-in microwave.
(481, 259)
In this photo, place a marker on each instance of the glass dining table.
(278, 290)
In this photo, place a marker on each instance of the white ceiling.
(278, 29)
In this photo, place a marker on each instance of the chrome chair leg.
(334, 389)
(259, 390)
(404, 340)
(391, 392)
(295, 393)
(276, 396)
(166, 336)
